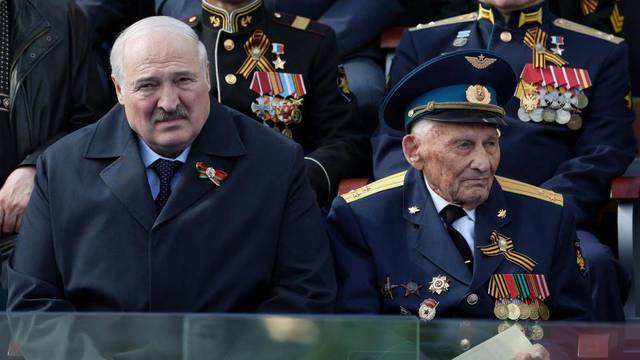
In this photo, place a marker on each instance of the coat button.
(465, 344)
(277, 15)
(505, 36)
(230, 79)
(472, 299)
(229, 45)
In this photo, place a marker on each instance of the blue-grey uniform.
(574, 146)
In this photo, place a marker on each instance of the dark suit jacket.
(375, 236)
(91, 240)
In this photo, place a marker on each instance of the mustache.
(181, 112)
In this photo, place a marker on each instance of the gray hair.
(148, 25)
(423, 127)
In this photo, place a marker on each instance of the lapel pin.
(411, 288)
(439, 284)
(387, 288)
(414, 210)
(207, 172)
(502, 213)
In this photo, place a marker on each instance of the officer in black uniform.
(283, 71)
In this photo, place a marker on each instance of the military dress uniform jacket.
(579, 163)
(308, 99)
(388, 235)
(91, 239)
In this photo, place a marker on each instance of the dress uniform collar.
(530, 16)
(238, 20)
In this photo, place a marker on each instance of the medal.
(582, 101)
(523, 115)
(287, 132)
(562, 116)
(462, 38)
(411, 288)
(533, 311)
(500, 311)
(536, 115)
(544, 311)
(524, 311)
(439, 284)
(387, 288)
(514, 311)
(278, 49)
(208, 172)
(557, 41)
(427, 310)
(548, 115)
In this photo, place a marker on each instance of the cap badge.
(480, 62)
(478, 94)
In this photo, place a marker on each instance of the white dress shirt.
(465, 225)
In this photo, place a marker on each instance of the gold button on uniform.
(229, 45)
(472, 299)
(505, 36)
(230, 79)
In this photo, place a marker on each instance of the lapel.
(219, 145)
(487, 221)
(126, 176)
(429, 237)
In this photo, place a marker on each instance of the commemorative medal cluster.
(549, 90)
(438, 285)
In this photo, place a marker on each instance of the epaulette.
(389, 182)
(192, 21)
(301, 23)
(570, 25)
(452, 20)
(518, 187)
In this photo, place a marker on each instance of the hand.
(14, 197)
(537, 352)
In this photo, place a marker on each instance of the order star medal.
(439, 284)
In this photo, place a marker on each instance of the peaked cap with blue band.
(469, 86)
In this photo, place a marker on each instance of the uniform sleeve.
(82, 74)
(605, 146)
(35, 284)
(355, 269)
(341, 147)
(303, 279)
(569, 287)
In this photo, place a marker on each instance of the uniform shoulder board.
(570, 25)
(452, 20)
(301, 23)
(519, 187)
(192, 21)
(389, 182)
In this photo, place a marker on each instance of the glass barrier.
(230, 336)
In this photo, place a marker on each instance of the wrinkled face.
(458, 160)
(510, 5)
(164, 91)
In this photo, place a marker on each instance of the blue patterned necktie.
(165, 169)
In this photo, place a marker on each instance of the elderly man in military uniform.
(569, 120)
(447, 238)
(283, 71)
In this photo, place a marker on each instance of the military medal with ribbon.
(548, 90)
(278, 49)
(208, 172)
(280, 96)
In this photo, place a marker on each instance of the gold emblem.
(514, 311)
(245, 21)
(478, 94)
(414, 210)
(502, 213)
(503, 245)
(278, 63)
(505, 36)
(439, 284)
(480, 62)
(229, 44)
(215, 21)
(501, 312)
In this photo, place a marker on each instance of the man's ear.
(119, 89)
(410, 146)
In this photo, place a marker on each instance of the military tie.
(449, 214)
(165, 169)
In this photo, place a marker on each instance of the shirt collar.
(441, 203)
(530, 16)
(149, 156)
(244, 18)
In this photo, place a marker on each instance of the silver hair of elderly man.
(160, 24)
